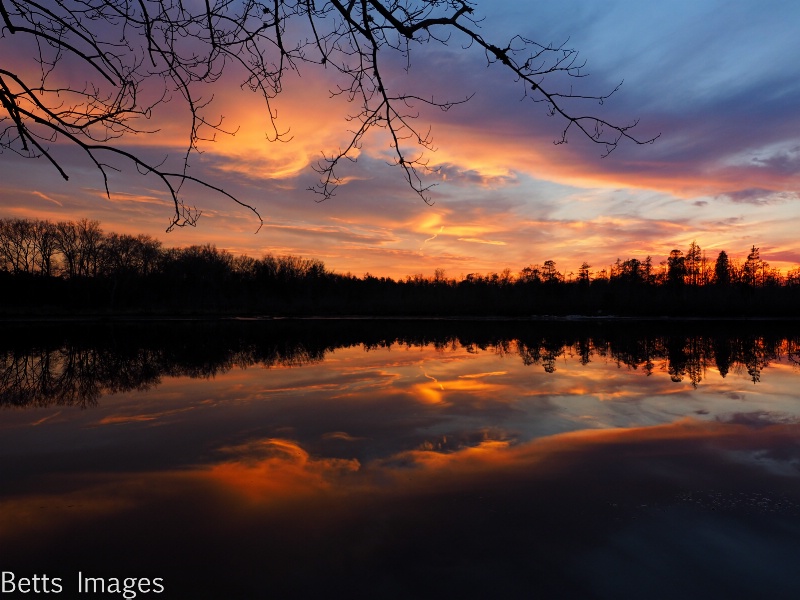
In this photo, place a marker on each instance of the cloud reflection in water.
(595, 480)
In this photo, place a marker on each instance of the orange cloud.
(271, 481)
(277, 470)
(480, 241)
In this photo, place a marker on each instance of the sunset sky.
(718, 80)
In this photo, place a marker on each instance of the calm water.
(398, 459)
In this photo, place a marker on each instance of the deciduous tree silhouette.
(102, 67)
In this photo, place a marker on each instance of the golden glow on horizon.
(440, 237)
(496, 157)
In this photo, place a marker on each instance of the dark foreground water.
(400, 459)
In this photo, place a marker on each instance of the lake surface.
(402, 459)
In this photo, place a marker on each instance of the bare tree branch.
(128, 48)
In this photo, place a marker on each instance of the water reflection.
(42, 365)
(290, 460)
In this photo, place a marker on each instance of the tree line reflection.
(75, 364)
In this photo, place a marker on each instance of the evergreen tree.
(722, 269)
(583, 273)
(752, 267)
(693, 260)
(676, 267)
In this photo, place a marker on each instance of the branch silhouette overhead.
(90, 73)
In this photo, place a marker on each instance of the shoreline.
(120, 317)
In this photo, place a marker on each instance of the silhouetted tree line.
(75, 364)
(74, 267)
